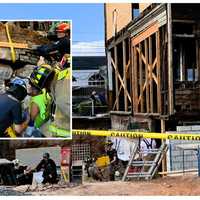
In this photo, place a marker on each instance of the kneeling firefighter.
(41, 100)
(12, 122)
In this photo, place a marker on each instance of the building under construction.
(154, 63)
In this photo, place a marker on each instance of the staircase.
(144, 169)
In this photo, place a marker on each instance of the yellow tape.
(134, 134)
(13, 57)
(59, 132)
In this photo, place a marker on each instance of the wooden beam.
(143, 88)
(116, 77)
(197, 59)
(155, 78)
(124, 76)
(150, 74)
(132, 77)
(135, 77)
(158, 72)
(162, 125)
(15, 45)
(141, 80)
(120, 79)
(145, 34)
(147, 75)
(170, 61)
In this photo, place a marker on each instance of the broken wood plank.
(15, 45)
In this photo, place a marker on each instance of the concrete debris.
(9, 191)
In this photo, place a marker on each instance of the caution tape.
(134, 134)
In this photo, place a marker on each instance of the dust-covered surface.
(180, 185)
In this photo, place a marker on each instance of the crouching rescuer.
(12, 121)
(41, 100)
(43, 106)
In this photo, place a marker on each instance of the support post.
(147, 76)
(150, 75)
(158, 71)
(124, 77)
(141, 79)
(116, 79)
(170, 61)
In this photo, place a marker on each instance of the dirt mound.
(182, 185)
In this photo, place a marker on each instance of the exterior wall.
(124, 16)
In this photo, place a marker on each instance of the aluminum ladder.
(146, 169)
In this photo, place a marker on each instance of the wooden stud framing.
(135, 78)
(147, 75)
(116, 78)
(158, 71)
(124, 76)
(121, 84)
(141, 79)
(170, 61)
(150, 74)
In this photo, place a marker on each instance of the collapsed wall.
(22, 40)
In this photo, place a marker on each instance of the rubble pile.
(21, 36)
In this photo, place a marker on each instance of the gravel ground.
(179, 185)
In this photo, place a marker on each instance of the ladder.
(144, 169)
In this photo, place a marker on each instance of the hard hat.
(18, 88)
(46, 155)
(40, 75)
(18, 82)
(63, 27)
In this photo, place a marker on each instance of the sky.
(87, 19)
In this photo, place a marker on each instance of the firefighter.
(12, 122)
(61, 46)
(48, 166)
(41, 101)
